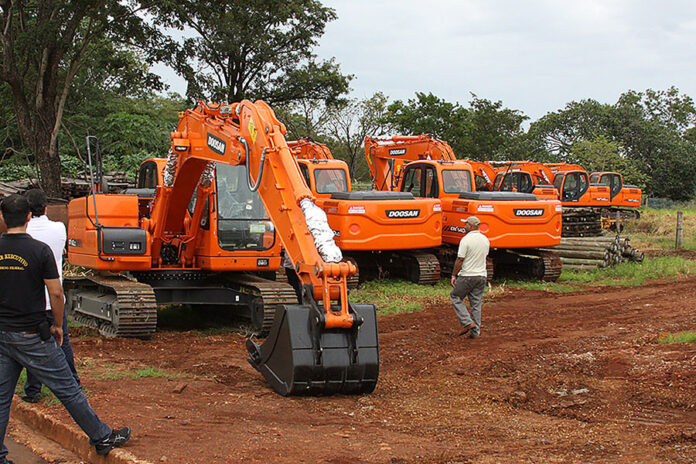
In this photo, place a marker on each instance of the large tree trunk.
(35, 131)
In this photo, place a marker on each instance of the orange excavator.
(621, 196)
(382, 232)
(202, 229)
(515, 223)
(582, 201)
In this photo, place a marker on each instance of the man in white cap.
(469, 277)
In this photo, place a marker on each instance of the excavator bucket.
(299, 357)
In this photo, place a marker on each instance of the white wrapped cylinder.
(170, 168)
(323, 236)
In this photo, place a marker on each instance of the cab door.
(571, 185)
(421, 181)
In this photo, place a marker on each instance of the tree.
(601, 154)
(254, 49)
(485, 130)
(347, 126)
(45, 44)
(493, 132)
(652, 128)
(428, 114)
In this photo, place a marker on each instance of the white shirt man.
(469, 277)
(52, 234)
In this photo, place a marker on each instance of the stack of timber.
(585, 253)
(582, 222)
(71, 188)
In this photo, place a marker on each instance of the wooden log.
(596, 262)
(605, 255)
(581, 247)
(579, 267)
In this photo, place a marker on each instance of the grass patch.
(633, 274)
(398, 296)
(681, 337)
(657, 228)
(110, 372)
(553, 287)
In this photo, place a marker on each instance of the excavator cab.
(610, 179)
(515, 181)
(571, 185)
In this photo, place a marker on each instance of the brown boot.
(466, 329)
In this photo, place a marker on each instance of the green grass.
(553, 287)
(398, 296)
(633, 274)
(109, 372)
(681, 337)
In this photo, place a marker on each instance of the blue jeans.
(33, 385)
(46, 361)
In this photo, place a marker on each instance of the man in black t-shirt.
(26, 339)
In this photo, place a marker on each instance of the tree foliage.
(652, 129)
(254, 49)
(485, 130)
(45, 45)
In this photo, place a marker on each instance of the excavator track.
(550, 268)
(114, 305)
(425, 270)
(270, 296)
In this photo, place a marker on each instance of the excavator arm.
(386, 157)
(342, 354)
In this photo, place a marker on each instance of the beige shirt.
(473, 248)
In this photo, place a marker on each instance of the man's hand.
(57, 334)
(454, 280)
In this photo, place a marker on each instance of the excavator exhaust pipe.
(300, 357)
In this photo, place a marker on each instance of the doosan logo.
(216, 144)
(402, 213)
(529, 212)
(397, 151)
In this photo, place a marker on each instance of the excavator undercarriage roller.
(115, 305)
(419, 267)
(527, 263)
(300, 357)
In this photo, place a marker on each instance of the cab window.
(242, 220)
(421, 181)
(330, 180)
(305, 174)
(147, 176)
(456, 181)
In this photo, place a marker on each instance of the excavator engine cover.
(301, 358)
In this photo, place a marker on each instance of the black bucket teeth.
(299, 358)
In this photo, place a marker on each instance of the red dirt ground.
(577, 377)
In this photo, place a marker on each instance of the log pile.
(582, 222)
(584, 253)
(72, 188)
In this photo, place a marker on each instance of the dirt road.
(555, 378)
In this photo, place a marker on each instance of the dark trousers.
(294, 280)
(46, 361)
(33, 385)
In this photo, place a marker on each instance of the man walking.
(53, 234)
(27, 339)
(469, 277)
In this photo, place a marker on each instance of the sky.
(533, 55)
